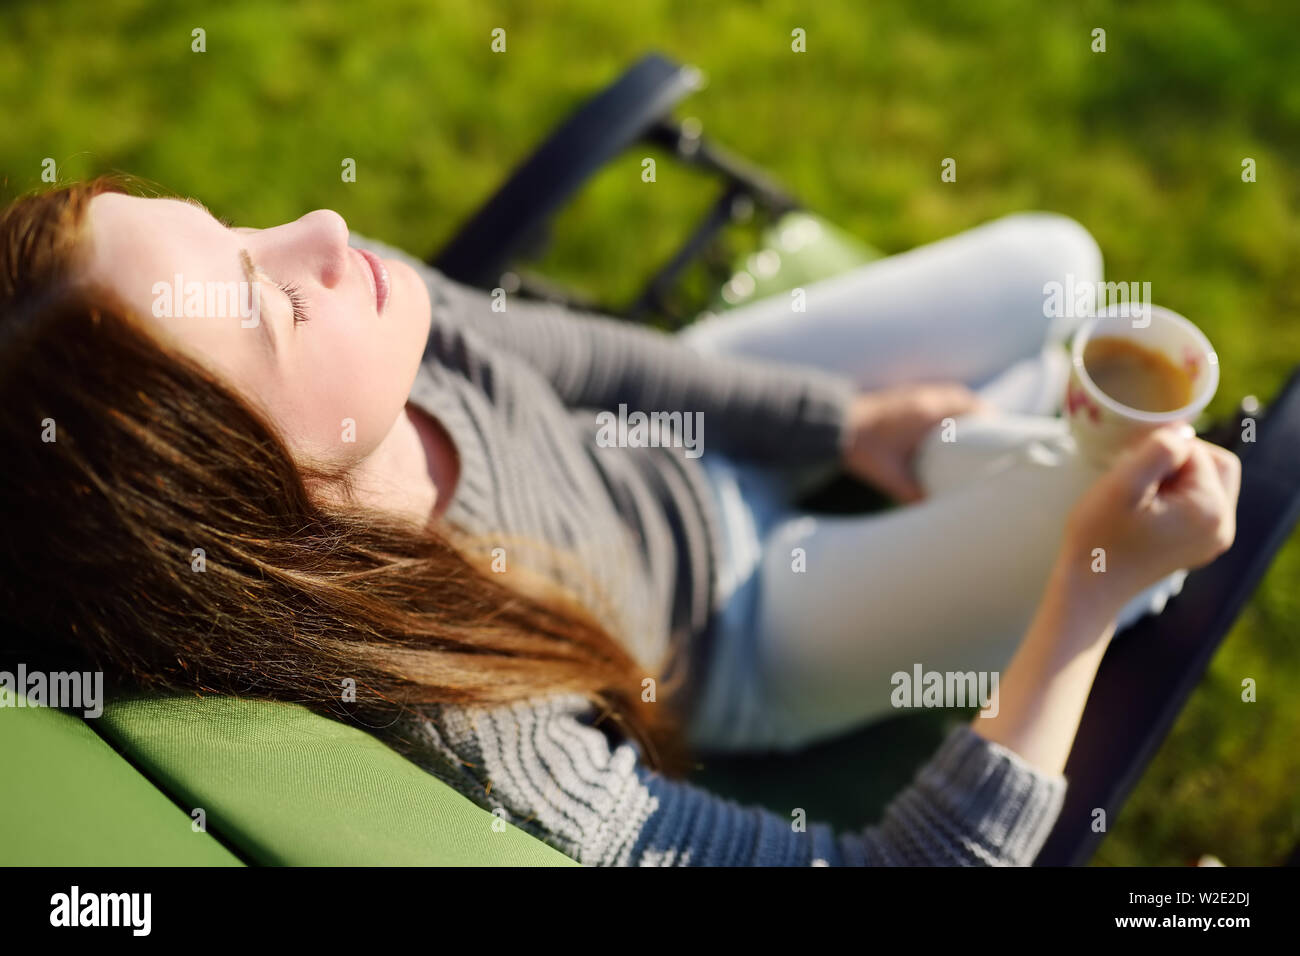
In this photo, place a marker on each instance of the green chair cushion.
(70, 800)
(286, 786)
(801, 247)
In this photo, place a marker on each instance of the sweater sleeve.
(752, 409)
(974, 803)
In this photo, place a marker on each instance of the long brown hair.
(123, 459)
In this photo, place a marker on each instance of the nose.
(317, 243)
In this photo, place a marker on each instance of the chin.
(414, 315)
(410, 299)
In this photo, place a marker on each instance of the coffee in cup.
(1128, 379)
(1135, 375)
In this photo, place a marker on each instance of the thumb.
(904, 488)
(897, 481)
(1149, 462)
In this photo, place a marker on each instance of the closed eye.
(297, 300)
(291, 289)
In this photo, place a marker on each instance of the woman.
(376, 492)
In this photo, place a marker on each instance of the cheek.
(350, 390)
(351, 376)
(348, 406)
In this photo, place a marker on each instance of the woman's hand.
(1169, 502)
(887, 425)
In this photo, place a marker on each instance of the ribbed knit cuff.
(1006, 806)
(822, 435)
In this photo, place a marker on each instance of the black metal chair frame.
(1149, 672)
(513, 223)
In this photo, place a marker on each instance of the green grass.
(1143, 144)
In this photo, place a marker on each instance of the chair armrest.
(1150, 671)
(600, 129)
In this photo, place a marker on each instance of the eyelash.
(297, 300)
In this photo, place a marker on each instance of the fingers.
(1214, 470)
(899, 484)
(957, 405)
(1229, 468)
(949, 398)
(1209, 498)
(968, 402)
(1199, 500)
(1153, 460)
(1202, 473)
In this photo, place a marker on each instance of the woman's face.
(338, 360)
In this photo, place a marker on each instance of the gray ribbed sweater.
(518, 392)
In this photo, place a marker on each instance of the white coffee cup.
(1102, 426)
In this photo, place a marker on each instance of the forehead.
(135, 242)
(147, 248)
(120, 211)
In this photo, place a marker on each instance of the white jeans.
(949, 583)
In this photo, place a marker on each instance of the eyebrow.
(250, 275)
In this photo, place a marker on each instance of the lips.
(377, 275)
